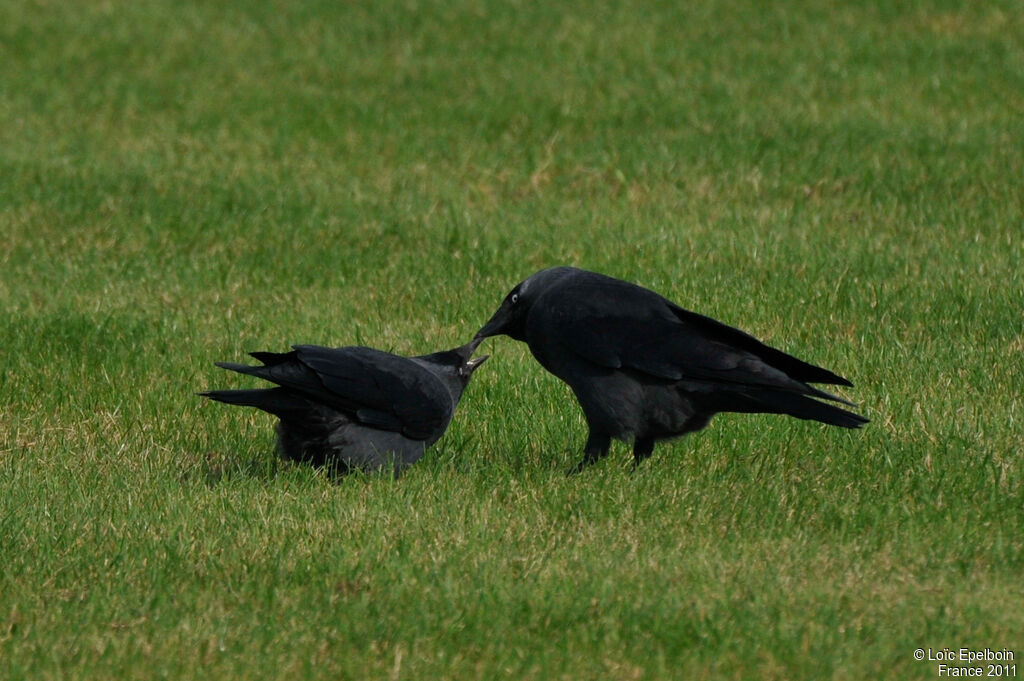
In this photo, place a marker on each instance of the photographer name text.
(985, 662)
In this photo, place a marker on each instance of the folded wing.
(376, 388)
(617, 325)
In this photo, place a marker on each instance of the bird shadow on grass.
(218, 467)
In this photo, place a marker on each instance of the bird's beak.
(466, 353)
(475, 362)
(494, 325)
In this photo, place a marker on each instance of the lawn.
(183, 182)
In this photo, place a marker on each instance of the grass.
(184, 182)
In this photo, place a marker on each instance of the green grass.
(181, 182)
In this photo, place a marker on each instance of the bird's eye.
(515, 298)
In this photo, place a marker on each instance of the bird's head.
(510, 317)
(455, 366)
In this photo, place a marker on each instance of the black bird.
(644, 369)
(356, 407)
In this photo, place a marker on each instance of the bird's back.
(344, 408)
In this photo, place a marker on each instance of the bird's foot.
(577, 469)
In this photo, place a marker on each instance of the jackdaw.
(644, 369)
(356, 407)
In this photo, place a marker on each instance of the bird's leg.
(595, 449)
(642, 448)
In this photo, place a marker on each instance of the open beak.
(467, 350)
(476, 361)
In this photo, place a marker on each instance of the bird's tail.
(800, 406)
(277, 401)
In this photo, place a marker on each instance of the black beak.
(466, 353)
(475, 362)
(494, 326)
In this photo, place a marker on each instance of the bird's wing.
(616, 324)
(383, 390)
(379, 389)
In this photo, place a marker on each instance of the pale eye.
(515, 298)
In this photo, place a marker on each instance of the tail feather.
(269, 358)
(240, 368)
(803, 407)
(825, 395)
(799, 406)
(281, 369)
(277, 401)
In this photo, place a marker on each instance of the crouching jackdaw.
(645, 369)
(356, 407)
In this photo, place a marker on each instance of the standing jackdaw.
(356, 407)
(644, 369)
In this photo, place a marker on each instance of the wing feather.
(616, 324)
(379, 389)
